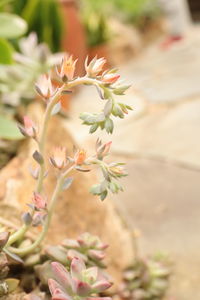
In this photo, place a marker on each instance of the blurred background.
(156, 46)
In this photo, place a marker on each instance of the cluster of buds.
(146, 279)
(39, 207)
(87, 247)
(79, 283)
(107, 85)
(60, 160)
(111, 172)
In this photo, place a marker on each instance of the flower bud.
(110, 78)
(38, 218)
(29, 128)
(103, 150)
(80, 157)
(67, 68)
(95, 66)
(59, 158)
(44, 87)
(39, 202)
(117, 171)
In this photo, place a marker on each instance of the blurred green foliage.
(11, 27)
(42, 16)
(135, 11)
(96, 13)
(94, 19)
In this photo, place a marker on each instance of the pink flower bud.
(39, 201)
(39, 218)
(67, 67)
(59, 158)
(29, 127)
(110, 78)
(45, 87)
(80, 157)
(95, 66)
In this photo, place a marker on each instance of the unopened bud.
(95, 66)
(59, 158)
(39, 201)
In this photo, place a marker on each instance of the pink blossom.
(110, 78)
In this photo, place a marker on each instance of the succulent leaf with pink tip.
(80, 282)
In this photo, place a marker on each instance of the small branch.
(26, 250)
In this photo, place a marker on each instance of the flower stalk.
(41, 213)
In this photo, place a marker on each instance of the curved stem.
(59, 185)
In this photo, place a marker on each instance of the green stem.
(26, 250)
(20, 233)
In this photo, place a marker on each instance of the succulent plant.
(79, 283)
(86, 247)
(146, 279)
(86, 250)
(7, 285)
(17, 80)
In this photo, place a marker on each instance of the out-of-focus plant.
(42, 17)
(137, 11)
(95, 22)
(17, 80)
(11, 27)
(146, 279)
(16, 87)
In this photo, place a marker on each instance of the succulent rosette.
(79, 283)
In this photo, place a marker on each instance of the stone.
(162, 201)
(165, 133)
(77, 210)
(167, 76)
